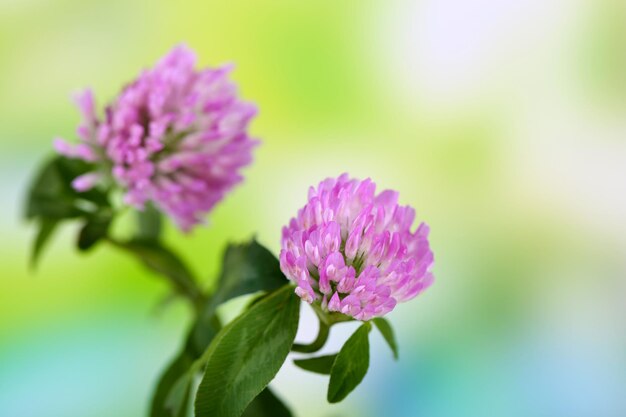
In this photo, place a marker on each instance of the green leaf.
(267, 404)
(387, 331)
(169, 400)
(246, 355)
(51, 199)
(95, 228)
(69, 169)
(46, 230)
(52, 207)
(246, 269)
(149, 223)
(319, 365)
(161, 260)
(177, 400)
(51, 194)
(257, 270)
(350, 366)
(160, 407)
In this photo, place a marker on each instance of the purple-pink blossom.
(353, 250)
(175, 136)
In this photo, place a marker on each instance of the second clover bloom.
(353, 250)
(175, 136)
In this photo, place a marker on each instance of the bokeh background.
(502, 122)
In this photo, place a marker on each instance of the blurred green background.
(502, 122)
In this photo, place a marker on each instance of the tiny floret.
(175, 136)
(353, 250)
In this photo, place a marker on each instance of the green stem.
(317, 344)
(326, 320)
(187, 287)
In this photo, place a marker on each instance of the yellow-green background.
(502, 122)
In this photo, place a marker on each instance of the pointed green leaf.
(69, 169)
(267, 404)
(167, 399)
(95, 228)
(53, 207)
(351, 365)
(246, 269)
(246, 355)
(387, 331)
(177, 400)
(160, 407)
(46, 230)
(51, 199)
(51, 194)
(320, 365)
(181, 364)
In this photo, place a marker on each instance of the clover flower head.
(175, 136)
(353, 250)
